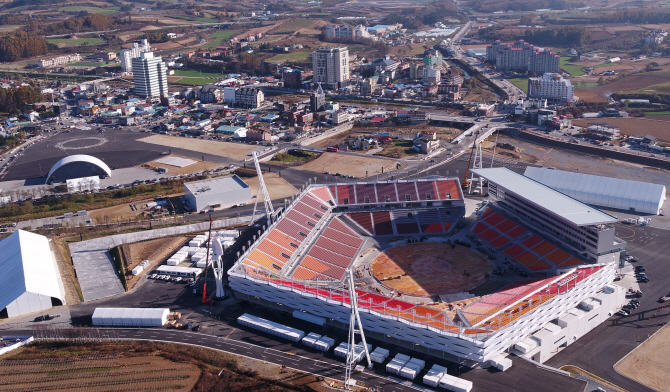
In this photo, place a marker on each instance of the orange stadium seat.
(525, 258)
(557, 257)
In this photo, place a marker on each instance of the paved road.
(523, 376)
(600, 349)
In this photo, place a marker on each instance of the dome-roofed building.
(78, 166)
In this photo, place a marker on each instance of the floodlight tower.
(262, 190)
(355, 327)
(217, 267)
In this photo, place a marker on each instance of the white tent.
(30, 281)
(641, 197)
(131, 317)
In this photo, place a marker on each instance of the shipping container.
(324, 344)
(270, 327)
(311, 339)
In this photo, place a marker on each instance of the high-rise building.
(127, 55)
(331, 66)
(552, 87)
(522, 56)
(150, 76)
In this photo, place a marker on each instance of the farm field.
(635, 126)
(142, 366)
(629, 84)
(64, 42)
(291, 26)
(193, 81)
(91, 10)
(191, 73)
(574, 70)
(218, 38)
(299, 56)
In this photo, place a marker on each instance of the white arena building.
(30, 281)
(627, 195)
(300, 263)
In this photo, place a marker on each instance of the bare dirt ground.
(118, 213)
(98, 374)
(348, 164)
(198, 166)
(277, 187)
(429, 269)
(224, 149)
(635, 126)
(648, 363)
(154, 250)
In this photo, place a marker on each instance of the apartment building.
(52, 62)
(127, 55)
(521, 56)
(331, 66)
(552, 87)
(249, 97)
(150, 75)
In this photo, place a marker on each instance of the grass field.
(521, 83)
(92, 10)
(665, 113)
(191, 73)
(218, 38)
(585, 84)
(63, 42)
(197, 81)
(574, 70)
(299, 56)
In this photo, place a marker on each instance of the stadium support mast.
(477, 164)
(217, 267)
(355, 327)
(262, 190)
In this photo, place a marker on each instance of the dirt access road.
(349, 164)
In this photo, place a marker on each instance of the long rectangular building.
(579, 227)
(522, 56)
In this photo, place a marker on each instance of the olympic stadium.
(530, 273)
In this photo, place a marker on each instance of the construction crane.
(28, 76)
(465, 183)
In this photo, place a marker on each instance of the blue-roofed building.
(270, 117)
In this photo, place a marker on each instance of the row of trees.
(523, 5)
(20, 44)
(14, 99)
(155, 36)
(634, 16)
(413, 18)
(90, 22)
(559, 36)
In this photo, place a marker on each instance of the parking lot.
(600, 349)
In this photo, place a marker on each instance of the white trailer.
(324, 344)
(311, 339)
(432, 378)
(379, 355)
(275, 329)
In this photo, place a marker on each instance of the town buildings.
(52, 62)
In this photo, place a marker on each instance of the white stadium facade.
(77, 166)
(631, 196)
(566, 248)
(30, 281)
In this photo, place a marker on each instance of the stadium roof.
(80, 158)
(602, 191)
(28, 266)
(560, 204)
